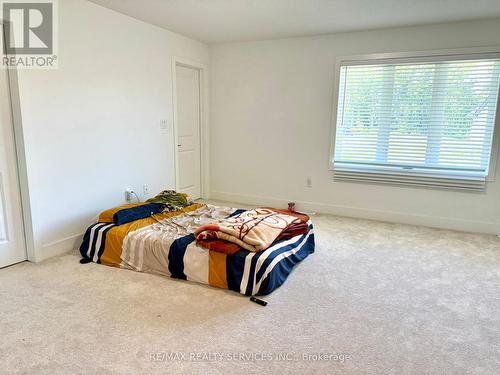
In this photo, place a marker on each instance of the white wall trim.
(60, 247)
(22, 171)
(204, 118)
(365, 213)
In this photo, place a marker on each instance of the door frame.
(204, 122)
(22, 172)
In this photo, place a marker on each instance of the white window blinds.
(417, 122)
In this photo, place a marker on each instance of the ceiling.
(215, 21)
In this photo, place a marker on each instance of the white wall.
(91, 127)
(271, 105)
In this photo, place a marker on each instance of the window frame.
(418, 56)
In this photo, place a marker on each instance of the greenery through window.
(436, 115)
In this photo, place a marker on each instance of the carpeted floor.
(375, 298)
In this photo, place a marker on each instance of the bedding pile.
(253, 230)
(188, 241)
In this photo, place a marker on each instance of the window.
(420, 121)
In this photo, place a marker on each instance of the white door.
(188, 131)
(12, 247)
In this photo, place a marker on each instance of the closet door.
(12, 246)
(188, 131)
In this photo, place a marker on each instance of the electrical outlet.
(145, 190)
(128, 195)
(163, 124)
(309, 182)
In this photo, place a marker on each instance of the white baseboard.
(59, 247)
(70, 243)
(364, 213)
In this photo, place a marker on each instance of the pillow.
(128, 215)
(107, 216)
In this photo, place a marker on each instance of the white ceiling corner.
(216, 21)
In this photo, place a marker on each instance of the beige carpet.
(375, 298)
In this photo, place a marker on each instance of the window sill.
(466, 181)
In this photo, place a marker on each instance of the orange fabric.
(217, 275)
(220, 246)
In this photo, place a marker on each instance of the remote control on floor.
(258, 301)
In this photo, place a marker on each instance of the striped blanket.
(165, 244)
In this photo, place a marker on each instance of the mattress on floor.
(164, 244)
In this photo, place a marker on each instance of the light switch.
(163, 124)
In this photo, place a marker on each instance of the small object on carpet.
(258, 301)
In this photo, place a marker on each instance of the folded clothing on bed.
(296, 228)
(171, 200)
(253, 230)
